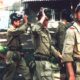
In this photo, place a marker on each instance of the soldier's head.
(77, 12)
(15, 19)
(65, 15)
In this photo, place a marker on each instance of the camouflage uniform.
(14, 60)
(42, 42)
(71, 50)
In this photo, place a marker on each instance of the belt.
(14, 48)
(40, 57)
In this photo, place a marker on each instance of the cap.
(15, 16)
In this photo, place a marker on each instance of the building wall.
(57, 5)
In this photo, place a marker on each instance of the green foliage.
(3, 49)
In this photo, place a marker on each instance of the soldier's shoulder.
(11, 28)
(36, 26)
(70, 30)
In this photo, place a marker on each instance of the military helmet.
(15, 16)
(77, 8)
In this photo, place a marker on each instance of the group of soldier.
(55, 53)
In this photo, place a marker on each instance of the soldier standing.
(14, 60)
(43, 47)
(57, 31)
(64, 24)
(71, 49)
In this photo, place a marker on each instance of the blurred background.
(30, 8)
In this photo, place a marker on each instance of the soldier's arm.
(70, 70)
(61, 36)
(68, 46)
(55, 52)
(18, 31)
(23, 27)
(68, 52)
(38, 26)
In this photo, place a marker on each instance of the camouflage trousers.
(12, 67)
(77, 70)
(47, 71)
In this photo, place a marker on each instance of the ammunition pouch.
(30, 60)
(16, 56)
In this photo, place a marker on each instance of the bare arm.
(68, 54)
(70, 70)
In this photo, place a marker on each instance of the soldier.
(57, 30)
(71, 49)
(14, 60)
(43, 46)
(64, 24)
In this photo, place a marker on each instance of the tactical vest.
(14, 43)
